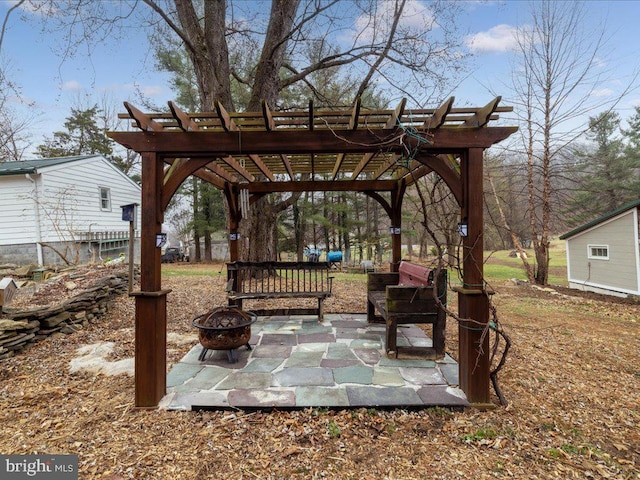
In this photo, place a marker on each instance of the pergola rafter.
(375, 152)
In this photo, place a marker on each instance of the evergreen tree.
(607, 171)
(632, 152)
(83, 136)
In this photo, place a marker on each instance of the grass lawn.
(499, 267)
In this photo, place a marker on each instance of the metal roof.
(32, 166)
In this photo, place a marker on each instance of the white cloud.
(72, 86)
(151, 90)
(599, 62)
(602, 92)
(415, 15)
(127, 88)
(501, 38)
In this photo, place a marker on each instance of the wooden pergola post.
(233, 203)
(397, 195)
(151, 300)
(472, 299)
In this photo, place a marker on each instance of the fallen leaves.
(563, 421)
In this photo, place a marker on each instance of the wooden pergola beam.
(219, 144)
(143, 121)
(353, 124)
(482, 116)
(323, 186)
(227, 122)
(173, 165)
(233, 163)
(221, 172)
(411, 177)
(185, 123)
(439, 116)
(386, 165)
(269, 122)
(393, 120)
(287, 165)
(261, 166)
(185, 168)
(230, 126)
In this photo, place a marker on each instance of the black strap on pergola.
(356, 149)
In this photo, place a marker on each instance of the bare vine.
(497, 355)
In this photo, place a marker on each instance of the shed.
(604, 255)
(66, 206)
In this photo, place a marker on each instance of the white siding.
(17, 210)
(69, 202)
(72, 191)
(620, 272)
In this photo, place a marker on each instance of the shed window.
(105, 199)
(598, 252)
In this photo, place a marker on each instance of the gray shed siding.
(621, 271)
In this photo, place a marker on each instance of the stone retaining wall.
(19, 328)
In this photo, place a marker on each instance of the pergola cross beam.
(391, 123)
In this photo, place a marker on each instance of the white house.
(604, 255)
(67, 207)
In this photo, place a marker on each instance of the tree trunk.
(346, 237)
(514, 238)
(326, 226)
(542, 258)
(196, 213)
(267, 85)
(261, 240)
(207, 47)
(262, 244)
(299, 230)
(376, 232)
(207, 247)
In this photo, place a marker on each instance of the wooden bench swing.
(268, 280)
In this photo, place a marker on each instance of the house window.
(598, 252)
(105, 199)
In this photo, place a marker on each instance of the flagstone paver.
(355, 374)
(298, 376)
(304, 359)
(321, 397)
(297, 362)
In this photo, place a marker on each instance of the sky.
(121, 68)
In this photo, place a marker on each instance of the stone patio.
(297, 362)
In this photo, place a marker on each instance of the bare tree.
(515, 239)
(14, 139)
(368, 40)
(554, 81)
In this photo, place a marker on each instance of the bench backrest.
(412, 275)
(278, 277)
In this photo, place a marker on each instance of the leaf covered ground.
(572, 379)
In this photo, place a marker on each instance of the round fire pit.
(224, 328)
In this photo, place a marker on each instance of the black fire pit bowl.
(224, 328)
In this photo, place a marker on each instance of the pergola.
(361, 150)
